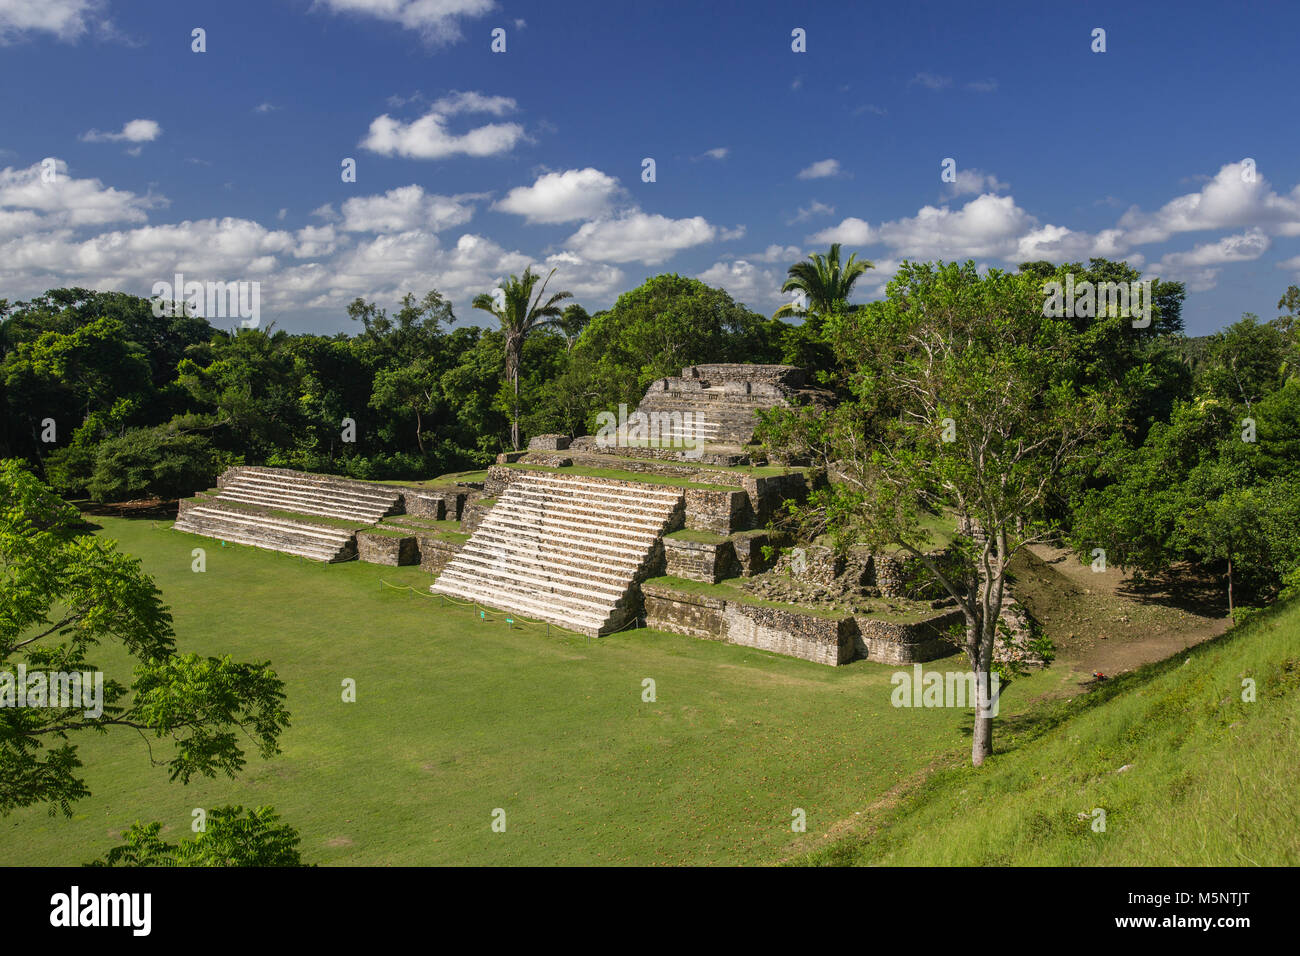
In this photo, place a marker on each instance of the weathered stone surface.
(1015, 635)
(700, 560)
(439, 504)
(435, 552)
(790, 632)
(678, 612)
(890, 642)
(548, 443)
(748, 547)
(721, 512)
(811, 563)
(374, 547)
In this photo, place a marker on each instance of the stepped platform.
(570, 549)
(311, 516)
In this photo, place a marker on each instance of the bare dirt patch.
(1110, 623)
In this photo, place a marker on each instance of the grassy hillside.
(1187, 773)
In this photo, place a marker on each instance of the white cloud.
(727, 235)
(136, 131)
(68, 20)
(640, 237)
(468, 101)
(402, 210)
(851, 231)
(973, 182)
(775, 253)
(1237, 196)
(744, 281)
(814, 208)
(437, 21)
(429, 138)
(718, 152)
(67, 202)
(931, 81)
(570, 196)
(265, 108)
(1239, 248)
(821, 169)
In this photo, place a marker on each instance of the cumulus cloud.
(640, 237)
(775, 253)
(429, 137)
(437, 21)
(718, 152)
(67, 20)
(744, 281)
(136, 131)
(821, 169)
(1237, 196)
(814, 208)
(66, 202)
(973, 182)
(850, 231)
(401, 210)
(569, 196)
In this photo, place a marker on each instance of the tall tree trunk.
(514, 424)
(981, 746)
(1229, 588)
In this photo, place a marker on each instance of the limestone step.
(638, 515)
(288, 503)
(270, 534)
(491, 581)
(323, 488)
(512, 515)
(577, 591)
(320, 493)
(520, 604)
(591, 488)
(570, 559)
(605, 555)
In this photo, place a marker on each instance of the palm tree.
(519, 314)
(825, 283)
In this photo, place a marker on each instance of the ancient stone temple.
(675, 526)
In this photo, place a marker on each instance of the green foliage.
(232, 837)
(64, 594)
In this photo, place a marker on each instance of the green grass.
(456, 716)
(642, 477)
(1211, 779)
(701, 537)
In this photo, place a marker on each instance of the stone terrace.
(311, 516)
(565, 548)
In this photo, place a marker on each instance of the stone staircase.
(273, 508)
(567, 549)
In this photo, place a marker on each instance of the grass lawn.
(456, 716)
(1187, 772)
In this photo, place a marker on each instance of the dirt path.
(1106, 622)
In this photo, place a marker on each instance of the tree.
(572, 322)
(824, 282)
(231, 837)
(962, 403)
(520, 312)
(63, 593)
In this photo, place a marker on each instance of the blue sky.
(225, 165)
